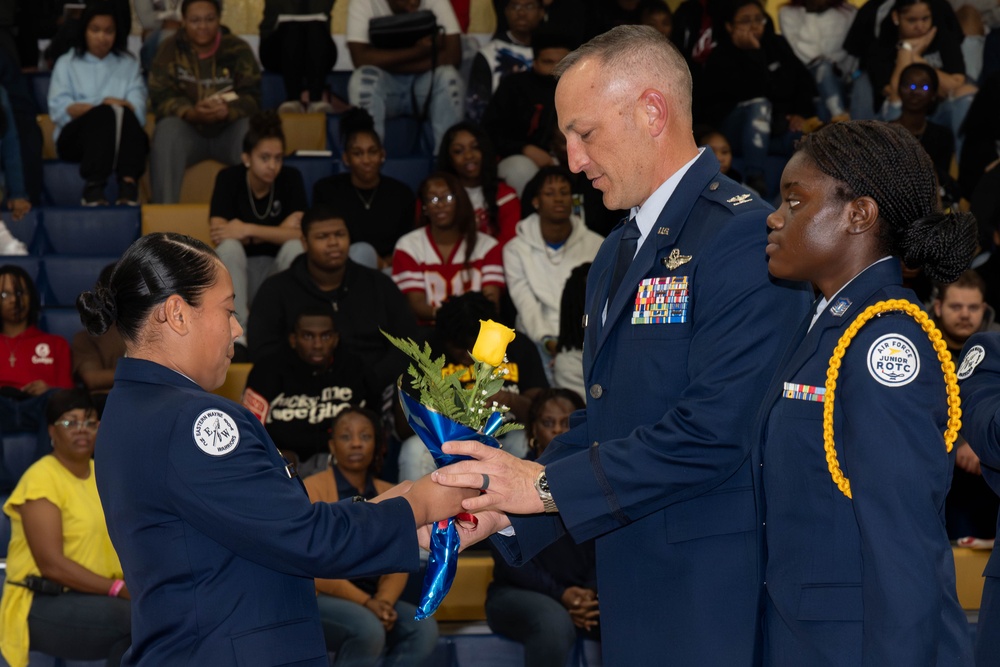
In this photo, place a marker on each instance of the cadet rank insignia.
(840, 306)
(804, 392)
(661, 301)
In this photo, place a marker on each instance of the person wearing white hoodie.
(549, 244)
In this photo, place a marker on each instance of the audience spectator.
(980, 151)
(467, 152)
(815, 29)
(588, 201)
(297, 390)
(959, 310)
(916, 96)
(447, 256)
(256, 212)
(295, 41)
(364, 618)
(755, 90)
(508, 52)
(96, 357)
(365, 301)
(420, 80)
(29, 134)
(603, 15)
(548, 246)
(454, 334)
(656, 14)
(716, 141)
(97, 101)
(521, 117)
(912, 37)
(159, 19)
(378, 209)
(693, 32)
(37, 361)
(567, 368)
(203, 87)
(551, 600)
(14, 193)
(65, 593)
(68, 25)
(567, 16)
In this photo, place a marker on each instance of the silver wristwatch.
(542, 487)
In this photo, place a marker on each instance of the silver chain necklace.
(367, 203)
(253, 206)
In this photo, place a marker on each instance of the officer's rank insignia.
(740, 199)
(215, 432)
(840, 306)
(675, 259)
(804, 392)
(661, 301)
(663, 231)
(893, 360)
(973, 358)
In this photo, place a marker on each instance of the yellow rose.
(491, 345)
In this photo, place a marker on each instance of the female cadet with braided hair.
(859, 568)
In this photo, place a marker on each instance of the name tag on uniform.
(662, 301)
(804, 392)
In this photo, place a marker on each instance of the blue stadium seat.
(19, 452)
(30, 264)
(39, 82)
(333, 134)
(104, 230)
(410, 170)
(272, 90)
(25, 229)
(66, 276)
(63, 322)
(4, 534)
(337, 82)
(313, 169)
(62, 184)
(404, 137)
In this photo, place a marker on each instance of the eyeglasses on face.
(447, 199)
(752, 20)
(17, 294)
(77, 425)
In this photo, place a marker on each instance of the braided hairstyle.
(886, 163)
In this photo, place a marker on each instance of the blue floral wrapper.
(434, 429)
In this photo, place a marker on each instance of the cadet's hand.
(432, 502)
(511, 486)
(967, 460)
(582, 606)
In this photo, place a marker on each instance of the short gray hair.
(641, 54)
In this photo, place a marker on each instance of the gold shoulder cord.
(947, 366)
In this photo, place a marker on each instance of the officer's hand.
(511, 481)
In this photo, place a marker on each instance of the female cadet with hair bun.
(859, 567)
(216, 535)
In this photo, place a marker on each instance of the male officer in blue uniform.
(979, 377)
(676, 358)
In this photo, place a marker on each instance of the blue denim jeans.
(359, 638)
(386, 95)
(830, 88)
(533, 619)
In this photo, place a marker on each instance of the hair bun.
(942, 244)
(97, 310)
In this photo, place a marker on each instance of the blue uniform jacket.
(219, 546)
(868, 581)
(979, 376)
(657, 467)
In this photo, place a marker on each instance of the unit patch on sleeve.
(893, 360)
(973, 358)
(215, 432)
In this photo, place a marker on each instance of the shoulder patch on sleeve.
(972, 358)
(893, 360)
(215, 432)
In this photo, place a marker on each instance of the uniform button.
(596, 391)
(714, 186)
(594, 444)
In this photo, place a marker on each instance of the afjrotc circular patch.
(893, 360)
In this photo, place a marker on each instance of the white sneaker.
(291, 106)
(10, 245)
(319, 107)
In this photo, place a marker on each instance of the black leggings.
(78, 626)
(303, 53)
(90, 140)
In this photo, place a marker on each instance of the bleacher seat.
(405, 136)
(304, 132)
(91, 231)
(199, 181)
(337, 83)
(314, 169)
(30, 264)
(333, 134)
(410, 170)
(66, 276)
(40, 89)
(47, 127)
(190, 219)
(19, 452)
(236, 382)
(61, 321)
(272, 90)
(4, 533)
(26, 229)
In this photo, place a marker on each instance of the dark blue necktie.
(626, 252)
